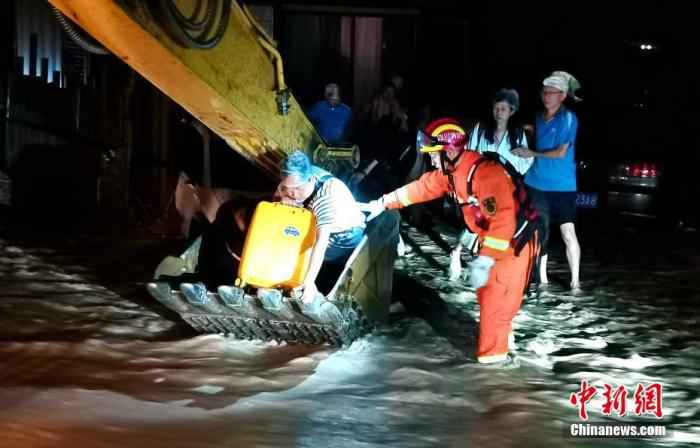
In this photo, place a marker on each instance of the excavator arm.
(232, 81)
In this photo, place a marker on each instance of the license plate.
(586, 200)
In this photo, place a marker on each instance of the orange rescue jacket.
(495, 209)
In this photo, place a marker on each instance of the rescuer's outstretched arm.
(429, 186)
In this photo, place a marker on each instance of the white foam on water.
(82, 363)
(207, 389)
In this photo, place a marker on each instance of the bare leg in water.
(543, 270)
(573, 256)
(573, 252)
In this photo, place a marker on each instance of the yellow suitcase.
(277, 248)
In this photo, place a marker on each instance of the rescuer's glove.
(479, 270)
(373, 208)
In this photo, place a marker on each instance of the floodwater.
(88, 359)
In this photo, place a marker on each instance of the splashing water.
(89, 360)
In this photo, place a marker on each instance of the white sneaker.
(505, 361)
(492, 359)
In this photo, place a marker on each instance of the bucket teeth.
(232, 296)
(195, 293)
(162, 292)
(271, 299)
(267, 316)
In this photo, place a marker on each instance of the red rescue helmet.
(441, 134)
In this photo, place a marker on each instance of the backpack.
(529, 222)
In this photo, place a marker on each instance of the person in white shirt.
(500, 135)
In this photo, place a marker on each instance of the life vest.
(529, 222)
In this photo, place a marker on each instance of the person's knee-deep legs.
(565, 203)
(541, 204)
(499, 302)
(493, 327)
(558, 208)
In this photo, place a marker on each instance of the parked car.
(633, 188)
(643, 186)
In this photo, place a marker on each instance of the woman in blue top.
(552, 177)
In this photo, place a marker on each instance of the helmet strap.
(445, 160)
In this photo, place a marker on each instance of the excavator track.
(323, 322)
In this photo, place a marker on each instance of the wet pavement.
(87, 358)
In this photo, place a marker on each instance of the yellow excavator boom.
(236, 88)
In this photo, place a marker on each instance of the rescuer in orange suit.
(500, 273)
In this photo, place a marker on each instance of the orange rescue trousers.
(500, 300)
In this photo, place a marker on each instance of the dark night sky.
(600, 45)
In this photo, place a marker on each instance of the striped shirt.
(335, 208)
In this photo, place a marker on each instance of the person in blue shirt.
(552, 177)
(331, 117)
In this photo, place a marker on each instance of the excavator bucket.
(359, 299)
